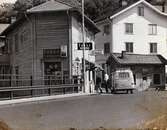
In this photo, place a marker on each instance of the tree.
(6, 11)
(23, 5)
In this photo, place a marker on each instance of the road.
(110, 111)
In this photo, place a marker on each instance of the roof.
(52, 6)
(114, 13)
(140, 59)
(49, 6)
(3, 27)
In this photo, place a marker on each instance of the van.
(122, 80)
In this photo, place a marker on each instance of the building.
(137, 28)
(45, 41)
(148, 70)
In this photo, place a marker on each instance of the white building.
(138, 28)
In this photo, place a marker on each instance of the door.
(53, 72)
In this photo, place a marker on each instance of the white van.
(123, 79)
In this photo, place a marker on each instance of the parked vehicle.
(122, 80)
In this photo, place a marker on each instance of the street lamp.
(83, 40)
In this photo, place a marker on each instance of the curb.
(41, 99)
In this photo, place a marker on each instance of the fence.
(16, 86)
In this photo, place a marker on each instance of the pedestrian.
(106, 78)
(98, 84)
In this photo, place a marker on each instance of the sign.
(96, 52)
(51, 53)
(64, 50)
(88, 46)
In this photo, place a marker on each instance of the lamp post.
(83, 40)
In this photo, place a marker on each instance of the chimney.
(163, 7)
(123, 54)
(123, 3)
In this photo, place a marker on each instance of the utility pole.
(83, 40)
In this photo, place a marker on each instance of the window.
(16, 42)
(106, 48)
(129, 28)
(153, 47)
(129, 47)
(157, 79)
(123, 75)
(152, 29)
(106, 29)
(141, 11)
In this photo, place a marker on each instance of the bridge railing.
(16, 86)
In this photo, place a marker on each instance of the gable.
(136, 4)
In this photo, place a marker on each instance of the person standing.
(98, 83)
(106, 78)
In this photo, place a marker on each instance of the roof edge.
(135, 4)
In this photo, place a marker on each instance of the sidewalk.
(44, 98)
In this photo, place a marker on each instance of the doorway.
(53, 73)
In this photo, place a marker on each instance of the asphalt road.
(110, 111)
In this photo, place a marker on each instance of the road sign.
(88, 46)
(97, 52)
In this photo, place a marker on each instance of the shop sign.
(88, 46)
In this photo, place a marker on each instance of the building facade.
(148, 70)
(138, 28)
(44, 42)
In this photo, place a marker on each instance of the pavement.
(84, 112)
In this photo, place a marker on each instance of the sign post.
(83, 40)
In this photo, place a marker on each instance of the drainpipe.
(70, 45)
(111, 31)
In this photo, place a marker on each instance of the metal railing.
(16, 86)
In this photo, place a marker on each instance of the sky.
(7, 1)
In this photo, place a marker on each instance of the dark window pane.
(106, 48)
(141, 11)
(129, 47)
(157, 79)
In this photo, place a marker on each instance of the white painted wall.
(140, 38)
(77, 37)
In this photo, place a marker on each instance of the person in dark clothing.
(98, 84)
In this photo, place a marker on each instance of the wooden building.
(44, 41)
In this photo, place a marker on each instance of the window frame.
(152, 29)
(160, 76)
(141, 10)
(129, 29)
(107, 48)
(152, 48)
(129, 47)
(106, 29)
